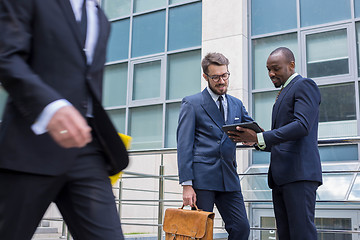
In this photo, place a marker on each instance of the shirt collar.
(290, 79)
(215, 96)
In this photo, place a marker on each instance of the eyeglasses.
(216, 78)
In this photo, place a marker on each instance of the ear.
(205, 77)
(292, 65)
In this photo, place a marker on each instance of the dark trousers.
(294, 207)
(231, 208)
(83, 195)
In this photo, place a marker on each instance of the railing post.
(63, 232)
(119, 197)
(161, 197)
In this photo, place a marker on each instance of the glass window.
(118, 47)
(255, 187)
(338, 102)
(322, 62)
(115, 85)
(355, 191)
(323, 11)
(357, 8)
(328, 191)
(177, 1)
(118, 118)
(3, 97)
(334, 224)
(263, 104)
(261, 50)
(144, 5)
(185, 26)
(358, 44)
(116, 8)
(272, 16)
(145, 127)
(172, 115)
(338, 153)
(184, 74)
(148, 36)
(260, 157)
(146, 81)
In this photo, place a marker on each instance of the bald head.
(287, 53)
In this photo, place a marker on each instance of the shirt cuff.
(187, 183)
(261, 141)
(40, 125)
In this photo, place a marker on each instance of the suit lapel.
(278, 102)
(102, 37)
(211, 109)
(231, 110)
(66, 7)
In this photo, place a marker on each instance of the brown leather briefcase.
(183, 224)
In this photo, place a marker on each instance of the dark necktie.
(277, 96)
(221, 107)
(83, 23)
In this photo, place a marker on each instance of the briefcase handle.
(196, 208)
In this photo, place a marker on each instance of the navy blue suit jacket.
(205, 154)
(293, 138)
(42, 60)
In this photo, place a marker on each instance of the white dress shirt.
(40, 125)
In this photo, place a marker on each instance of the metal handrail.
(160, 202)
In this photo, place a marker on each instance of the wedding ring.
(63, 131)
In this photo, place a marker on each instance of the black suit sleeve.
(27, 92)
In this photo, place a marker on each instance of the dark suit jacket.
(293, 138)
(205, 154)
(42, 60)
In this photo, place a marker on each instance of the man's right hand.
(189, 196)
(69, 128)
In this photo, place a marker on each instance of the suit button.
(218, 141)
(84, 104)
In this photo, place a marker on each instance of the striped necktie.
(277, 96)
(83, 23)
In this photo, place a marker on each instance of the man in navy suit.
(57, 143)
(295, 168)
(206, 156)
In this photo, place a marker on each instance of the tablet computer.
(251, 125)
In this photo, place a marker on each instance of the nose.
(271, 74)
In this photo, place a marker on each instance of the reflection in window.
(118, 47)
(323, 11)
(118, 119)
(144, 5)
(268, 16)
(3, 97)
(261, 50)
(149, 27)
(267, 222)
(184, 72)
(328, 191)
(116, 8)
(185, 26)
(115, 85)
(338, 102)
(143, 136)
(322, 62)
(146, 82)
(172, 115)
